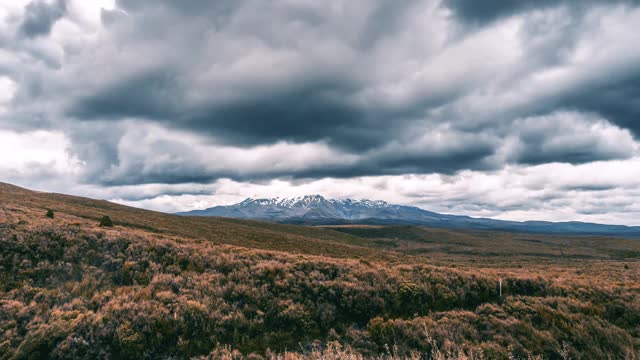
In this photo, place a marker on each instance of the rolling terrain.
(164, 286)
(316, 210)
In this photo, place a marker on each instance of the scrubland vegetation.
(72, 289)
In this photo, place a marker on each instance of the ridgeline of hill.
(317, 210)
(163, 286)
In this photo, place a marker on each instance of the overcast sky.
(513, 109)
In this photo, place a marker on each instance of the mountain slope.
(315, 209)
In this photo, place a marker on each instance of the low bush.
(105, 221)
(67, 292)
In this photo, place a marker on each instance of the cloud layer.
(182, 96)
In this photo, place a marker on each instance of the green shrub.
(106, 222)
(50, 214)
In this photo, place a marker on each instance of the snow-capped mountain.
(311, 207)
(315, 209)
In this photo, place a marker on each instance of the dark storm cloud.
(305, 110)
(142, 153)
(594, 187)
(181, 164)
(614, 97)
(618, 101)
(485, 11)
(399, 162)
(570, 138)
(152, 94)
(538, 152)
(385, 19)
(312, 107)
(481, 12)
(96, 144)
(373, 87)
(310, 104)
(135, 194)
(190, 7)
(279, 117)
(40, 16)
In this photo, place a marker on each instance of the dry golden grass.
(162, 286)
(23, 205)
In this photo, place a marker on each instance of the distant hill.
(317, 210)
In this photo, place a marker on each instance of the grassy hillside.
(25, 205)
(162, 286)
(483, 246)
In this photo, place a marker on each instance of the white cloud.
(606, 192)
(35, 157)
(152, 152)
(7, 90)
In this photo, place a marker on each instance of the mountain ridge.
(318, 210)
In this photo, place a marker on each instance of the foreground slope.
(315, 210)
(253, 234)
(160, 286)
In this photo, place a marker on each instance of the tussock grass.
(161, 286)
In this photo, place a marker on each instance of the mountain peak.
(282, 202)
(306, 199)
(308, 207)
(311, 200)
(316, 209)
